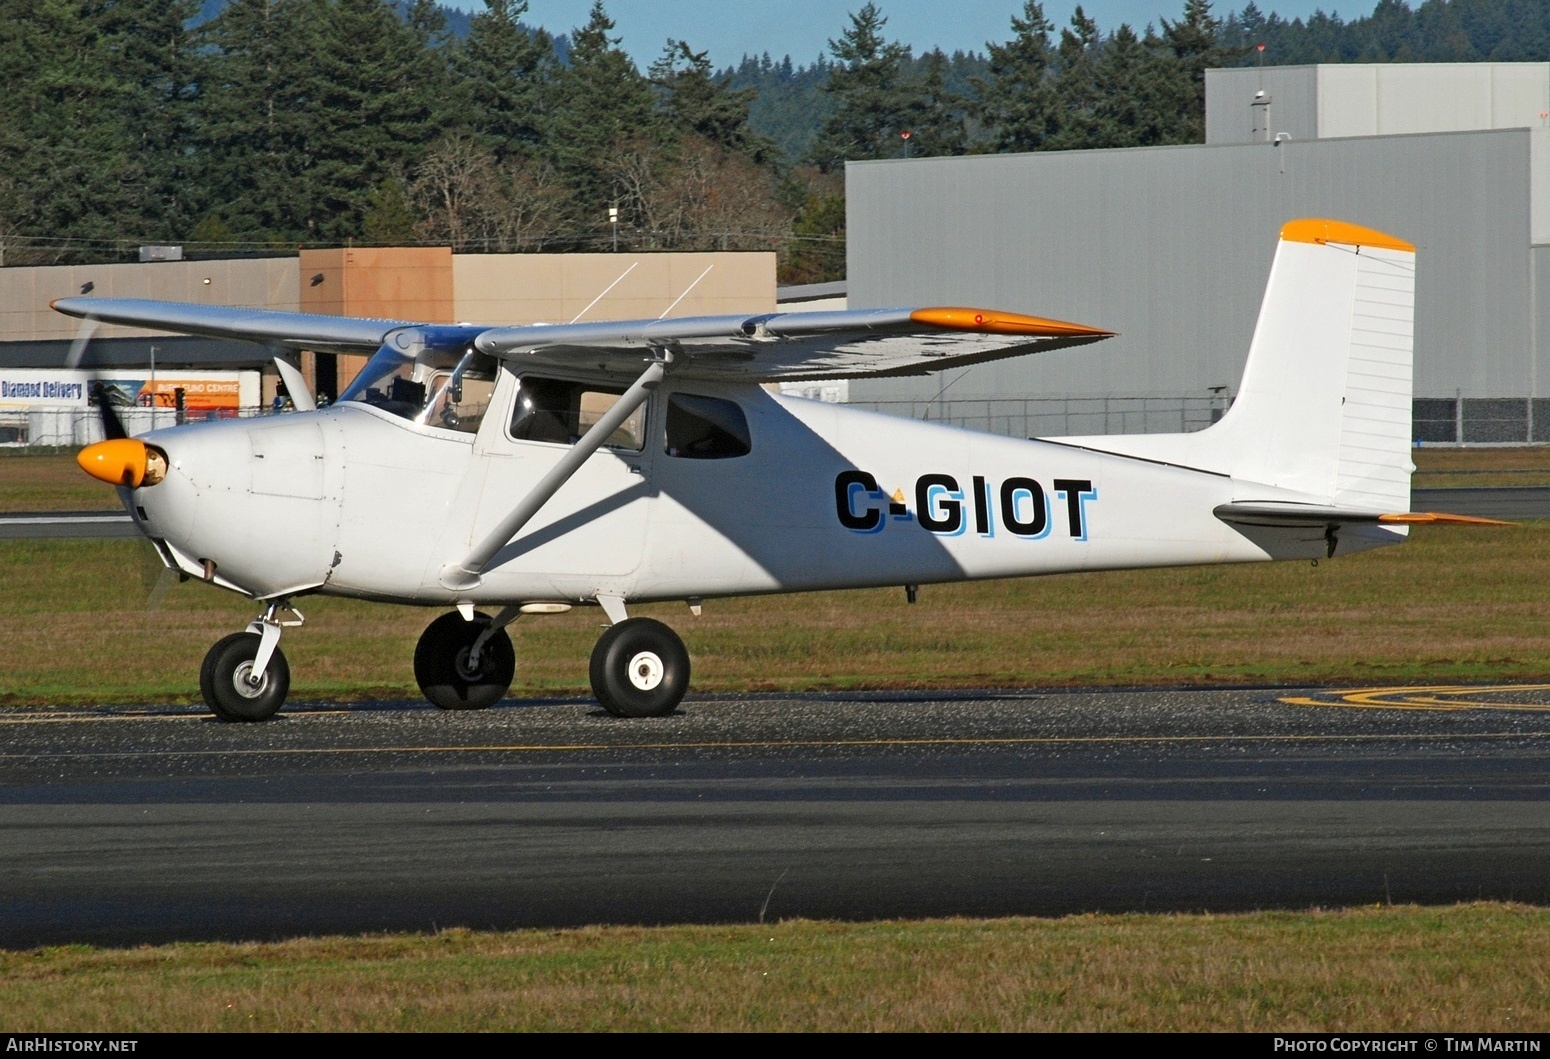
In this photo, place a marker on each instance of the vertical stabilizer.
(1325, 403)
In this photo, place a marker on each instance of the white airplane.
(531, 469)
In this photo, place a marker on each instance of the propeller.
(155, 575)
(112, 425)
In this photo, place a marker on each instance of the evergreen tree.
(936, 113)
(1137, 93)
(1440, 35)
(59, 147)
(508, 77)
(604, 105)
(99, 102)
(1077, 93)
(156, 70)
(696, 102)
(1018, 102)
(432, 52)
(369, 117)
(872, 105)
(789, 105)
(256, 134)
(1195, 44)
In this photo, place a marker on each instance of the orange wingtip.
(1413, 518)
(990, 322)
(1318, 230)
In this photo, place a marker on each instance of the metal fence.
(1435, 421)
(1482, 420)
(49, 428)
(1048, 417)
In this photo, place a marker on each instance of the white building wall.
(1171, 247)
(1372, 99)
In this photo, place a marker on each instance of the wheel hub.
(246, 686)
(470, 673)
(646, 671)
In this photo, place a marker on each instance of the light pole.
(613, 219)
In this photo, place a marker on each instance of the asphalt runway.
(122, 825)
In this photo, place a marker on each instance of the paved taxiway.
(122, 825)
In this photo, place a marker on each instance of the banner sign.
(203, 391)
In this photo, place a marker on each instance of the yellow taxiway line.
(1442, 698)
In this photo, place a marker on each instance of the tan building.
(421, 284)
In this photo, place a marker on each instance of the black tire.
(223, 680)
(640, 668)
(207, 674)
(441, 663)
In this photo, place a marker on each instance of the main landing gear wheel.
(640, 668)
(225, 680)
(442, 669)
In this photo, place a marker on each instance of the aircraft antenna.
(687, 289)
(606, 289)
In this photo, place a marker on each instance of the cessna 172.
(530, 469)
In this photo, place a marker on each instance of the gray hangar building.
(1171, 247)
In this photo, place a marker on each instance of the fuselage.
(354, 500)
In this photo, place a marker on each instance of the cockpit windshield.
(433, 387)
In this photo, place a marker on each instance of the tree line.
(268, 124)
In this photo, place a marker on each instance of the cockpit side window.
(706, 428)
(558, 411)
(432, 387)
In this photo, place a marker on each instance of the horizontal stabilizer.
(1290, 515)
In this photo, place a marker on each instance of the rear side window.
(706, 428)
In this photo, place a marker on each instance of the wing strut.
(465, 573)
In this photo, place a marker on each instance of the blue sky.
(802, 28)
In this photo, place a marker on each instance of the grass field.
(1475, 968)
(1453, 604)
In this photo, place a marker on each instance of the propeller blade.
(112, 425)
(164, 582)
(81, 341)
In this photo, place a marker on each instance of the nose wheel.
(244, 676)
(640, 668)
(228, 683)
(464, 665)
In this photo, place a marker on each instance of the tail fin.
(1325, 403)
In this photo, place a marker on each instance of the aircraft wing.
(861, 343)
(265, 326)
(858, 343)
